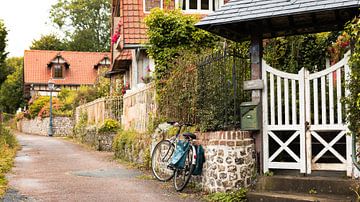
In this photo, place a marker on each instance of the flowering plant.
(147, 78)
(116, 35)
(125, 87)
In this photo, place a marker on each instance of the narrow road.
(53, 169)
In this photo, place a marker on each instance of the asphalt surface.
(54, 169)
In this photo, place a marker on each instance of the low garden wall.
(90, 135)
(62, 126)
(230, 157)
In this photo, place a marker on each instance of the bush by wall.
(98, 137)
(8, 147)
(134, 147)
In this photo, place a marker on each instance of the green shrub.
(8, 147)
(353, 101)
(67, 98)
(128, 144)
(79, 128)
(234, 196)
(122, 139)
(37, 105)
(7, 138)
(109, 125)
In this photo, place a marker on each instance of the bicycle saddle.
(189, 135)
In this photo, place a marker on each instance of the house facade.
(131, 66)
(67, 69)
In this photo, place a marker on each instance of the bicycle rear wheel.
(182, 176)
(160, 160)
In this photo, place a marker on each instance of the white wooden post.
(302, 75)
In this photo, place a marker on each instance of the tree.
(4, 70)
(85, 23)
(11, 91)
(48, 42)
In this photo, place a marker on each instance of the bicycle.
(162, 155)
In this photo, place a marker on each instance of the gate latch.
(307, 125)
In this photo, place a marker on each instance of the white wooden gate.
(303, 119)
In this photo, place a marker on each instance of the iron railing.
(220, 89)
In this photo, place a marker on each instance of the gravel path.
(53, 169)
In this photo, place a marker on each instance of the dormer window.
(58, 65)
(58, 71)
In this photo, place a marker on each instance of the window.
(200, 5)
(150, 4)
(58, 71)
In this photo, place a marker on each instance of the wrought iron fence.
(206, 91)
(220, 87)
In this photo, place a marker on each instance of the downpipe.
(354, 159)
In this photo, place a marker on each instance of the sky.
(25, 21)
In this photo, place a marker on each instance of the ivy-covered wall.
(99, 137)
(131, 146)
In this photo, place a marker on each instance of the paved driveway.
(53, 169)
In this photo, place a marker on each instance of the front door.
(303, 120)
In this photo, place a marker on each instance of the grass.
(233, 196)
(145, 177)
(8, 148)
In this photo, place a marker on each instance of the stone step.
(295, 197)
(294, 184)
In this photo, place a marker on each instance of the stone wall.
(135, 148)
(62, 126)
(139, 105)
(90, 136)
(230, 160)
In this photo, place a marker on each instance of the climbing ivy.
(170, 32)
(353, 101)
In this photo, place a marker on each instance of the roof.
(134, 28)
(267, 14)
(122, 61)
(80, 72)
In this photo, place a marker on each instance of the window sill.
(206, 12)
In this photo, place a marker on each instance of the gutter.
(135, 46)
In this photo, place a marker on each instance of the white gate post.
(302, 74)
(307, 123)
(265, 121)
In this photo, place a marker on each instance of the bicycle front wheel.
(182, 176)
(160, 160)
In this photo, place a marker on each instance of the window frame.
(212, 4)
(144, 5)
(62, 71)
